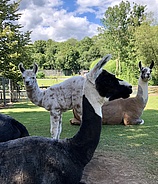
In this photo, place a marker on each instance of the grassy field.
(51, 81)
(138, 143)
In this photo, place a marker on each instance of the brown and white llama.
(42, 160)
(56, 99)
(128, 111)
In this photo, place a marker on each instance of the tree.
(147, 47)
(120, 23)
(13, 43)
(51, 50)
(67, 57)
(101, 41)
(84, 48)
(40, 46)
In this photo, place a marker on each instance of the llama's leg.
(55, 124)
(140, 122)
(134, 122)
(77, 118)
(59, 127)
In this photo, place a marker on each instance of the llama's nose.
(148, 75)
(27, 83)
(130, 89)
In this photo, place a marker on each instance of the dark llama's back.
(11, 129)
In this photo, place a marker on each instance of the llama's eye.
(33, 77)
(23, 77)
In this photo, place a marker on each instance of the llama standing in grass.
(11, 128)
(56, 99)
(128, 111)
(42, 160)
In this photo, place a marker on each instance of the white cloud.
(48, 20)
(102, 5)
(90, 3)
(151, 5)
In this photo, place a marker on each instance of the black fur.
(11, 128)
(108, 86)
(90, 128)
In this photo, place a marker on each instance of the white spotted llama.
(56, 99)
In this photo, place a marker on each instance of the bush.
(40, 75)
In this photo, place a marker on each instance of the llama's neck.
(35, 95)
(93, 96)
(143, 90)
(84, 143)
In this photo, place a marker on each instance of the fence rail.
(21, 95)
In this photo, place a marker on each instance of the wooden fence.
(21, 95)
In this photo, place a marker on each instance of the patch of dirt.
(107, 168)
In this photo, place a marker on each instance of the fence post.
(4, 97)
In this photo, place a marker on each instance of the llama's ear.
(140, 65)
(21, 68)
(97, 68)
(152, 64)
(35, 68)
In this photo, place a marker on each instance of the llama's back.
(40, 160)
(11, 128)
(65, 95)
(75, 85)
(122, 110)
(133, 110)
(112, 112)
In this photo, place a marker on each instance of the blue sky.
(60, 20)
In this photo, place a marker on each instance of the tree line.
(127, 32)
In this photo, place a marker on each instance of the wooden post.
(10, 91)
(4, 96)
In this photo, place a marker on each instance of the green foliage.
(40, 75)
(126, 74)
(125, 33)
(51, 81)
(120, 23)
(110, 66)
(13, 43)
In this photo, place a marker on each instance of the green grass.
(137, 143)
(51, 81)
(37, 119)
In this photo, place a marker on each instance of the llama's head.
(29, 76)
(145, 72)
(101, 86)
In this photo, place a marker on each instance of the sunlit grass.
(51, 81)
